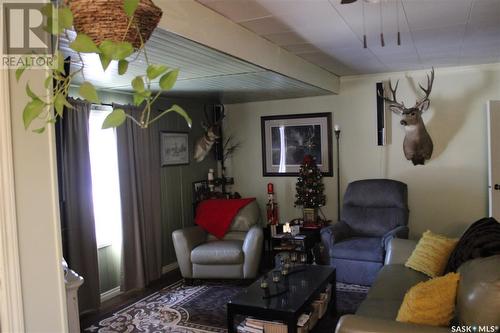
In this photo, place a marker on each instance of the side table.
(304, 242)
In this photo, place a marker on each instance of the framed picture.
(174, 148)
(287, 139)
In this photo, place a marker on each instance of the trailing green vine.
(59, 21)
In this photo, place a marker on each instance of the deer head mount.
(205, 143)
(417, 144)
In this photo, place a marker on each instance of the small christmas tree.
(309, 185)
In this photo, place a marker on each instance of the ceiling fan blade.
(345, 2)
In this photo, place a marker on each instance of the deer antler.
(393, 101)
(430, 82)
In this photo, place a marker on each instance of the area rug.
(198, 309)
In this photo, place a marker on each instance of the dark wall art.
(287, 139)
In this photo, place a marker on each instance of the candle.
(270, 188)
(336, 128)
(210, 174)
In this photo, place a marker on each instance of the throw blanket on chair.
(216, 215)
(481, 239)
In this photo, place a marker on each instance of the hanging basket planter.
(106, 20)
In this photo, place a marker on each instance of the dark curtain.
(78, 212)
(139, 168)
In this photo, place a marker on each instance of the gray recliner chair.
(374, 212)
(237, 256)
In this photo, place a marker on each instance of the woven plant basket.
(106, 20)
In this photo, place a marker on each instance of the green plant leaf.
(105, 61)
(138, 99)
(53, 26)
(88, 92)
(129, 6)
(59, 103)
(108, 48)
(84, 44)
(39, 130)
(48, 10)
(180, 111)
(138, 84)
(65, 18)
(122, 67)
(114, 119)
(32, 110)
(154, 71)
(48, 81)
(116, 51)
(30, 93)
(168, 80)
(19, 72)
(60, 62)
(123, 50)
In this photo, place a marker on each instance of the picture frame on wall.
(174, 148)
(286, 139)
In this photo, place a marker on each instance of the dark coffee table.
(303, 286)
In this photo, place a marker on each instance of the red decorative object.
(308, 159)
(216, 215)
(272, 206)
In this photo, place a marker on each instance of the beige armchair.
(236, 256)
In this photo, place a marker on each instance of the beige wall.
(445, 195)
(44, 297)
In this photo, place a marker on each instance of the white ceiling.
(434, 32)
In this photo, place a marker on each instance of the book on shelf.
(244, 327)
(285, 247)
(271, 326)
(259, 322)
(303, 319)
(254, 324)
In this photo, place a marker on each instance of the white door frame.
(11, 303)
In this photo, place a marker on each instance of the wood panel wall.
(176, 181)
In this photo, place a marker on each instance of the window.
(105, 179)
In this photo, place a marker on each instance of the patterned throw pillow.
(431, 254)
(431, 302)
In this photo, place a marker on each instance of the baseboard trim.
(170, 267)
(107, 295)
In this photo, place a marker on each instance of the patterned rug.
(199, 308)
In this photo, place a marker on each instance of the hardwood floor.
(125, 299)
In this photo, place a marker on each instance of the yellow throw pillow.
(431, 302)
(431, 254)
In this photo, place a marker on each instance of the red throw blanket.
(216, 215)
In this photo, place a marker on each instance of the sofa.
(478, 295)
(374, 211)
(201, 255)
